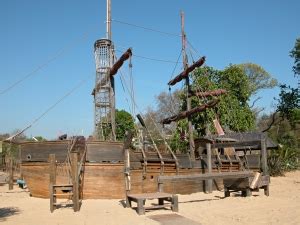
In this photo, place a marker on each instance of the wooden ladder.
(64, 191)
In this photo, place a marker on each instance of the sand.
(281, 207)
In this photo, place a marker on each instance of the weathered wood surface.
(247, 136)
(109, 172)
(11, 174)
(186, 72)
(140, 199)
(207, 176)
(114, 69)
(39, 151)
(99, 151)
(188, 113)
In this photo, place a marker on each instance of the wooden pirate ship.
(105, 168)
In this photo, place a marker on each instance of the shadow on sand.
(8, 211)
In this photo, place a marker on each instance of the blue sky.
(34, 31)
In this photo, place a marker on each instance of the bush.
(286, 158)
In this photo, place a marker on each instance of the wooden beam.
(205, 94)
(52, 180)
(208, 183)
(186, 114)
(114, 69)
(11, 174)
(236, 144)
(264, 163)
(206, 176)
(186, 72)
(75, 180)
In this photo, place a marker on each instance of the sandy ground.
(281, 207)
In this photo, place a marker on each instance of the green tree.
(295, 53)
(233, 110)
(124, 122)
(258, 77)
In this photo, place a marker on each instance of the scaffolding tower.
(104, 92)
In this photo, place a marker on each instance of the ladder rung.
(63, 194)
(62, 204)
(62, 185)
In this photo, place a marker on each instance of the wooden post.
(20, 163)
(208, 183)
(75, 176)
(160, 186)
(175, 203)
(127, 175)
(11, 173)
(52, 180)
(264, 162)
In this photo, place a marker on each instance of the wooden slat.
(104, 152)
(207, 176)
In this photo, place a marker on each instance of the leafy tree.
(233, 110)
(295, 53)
(124, 122)
(288, 107)
(258, 77)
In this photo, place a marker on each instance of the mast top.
(108, 19)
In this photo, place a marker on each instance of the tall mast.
(188, 89)
(104, 90)
(108, 19)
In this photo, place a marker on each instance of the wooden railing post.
(75, 180)
(264, 162)
(208, 183)
(52, 180)
(11, 173)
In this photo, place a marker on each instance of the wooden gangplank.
(140, 199)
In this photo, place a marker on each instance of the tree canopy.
(258, 77)
(233, 111)
(124, 122)
(295, 53)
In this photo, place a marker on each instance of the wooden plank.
(207, 176)
(246, 144)
(105, 152)
(11, 174)
(208, 183)
(52, 181)
(75, 180)
(150, 195)
(264, 162)
(39, 151)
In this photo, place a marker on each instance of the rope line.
(146, 28)
(51, 107)
(61, 52)
(152, 59)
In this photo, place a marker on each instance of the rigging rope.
(146, 28)
(152, 59)
(51, 107)
(61, 52)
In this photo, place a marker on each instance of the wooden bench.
(140, 199)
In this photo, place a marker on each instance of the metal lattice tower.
(104, 91)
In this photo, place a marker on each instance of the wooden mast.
(188, 87)
(108, 19)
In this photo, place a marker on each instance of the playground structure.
(102, 168)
